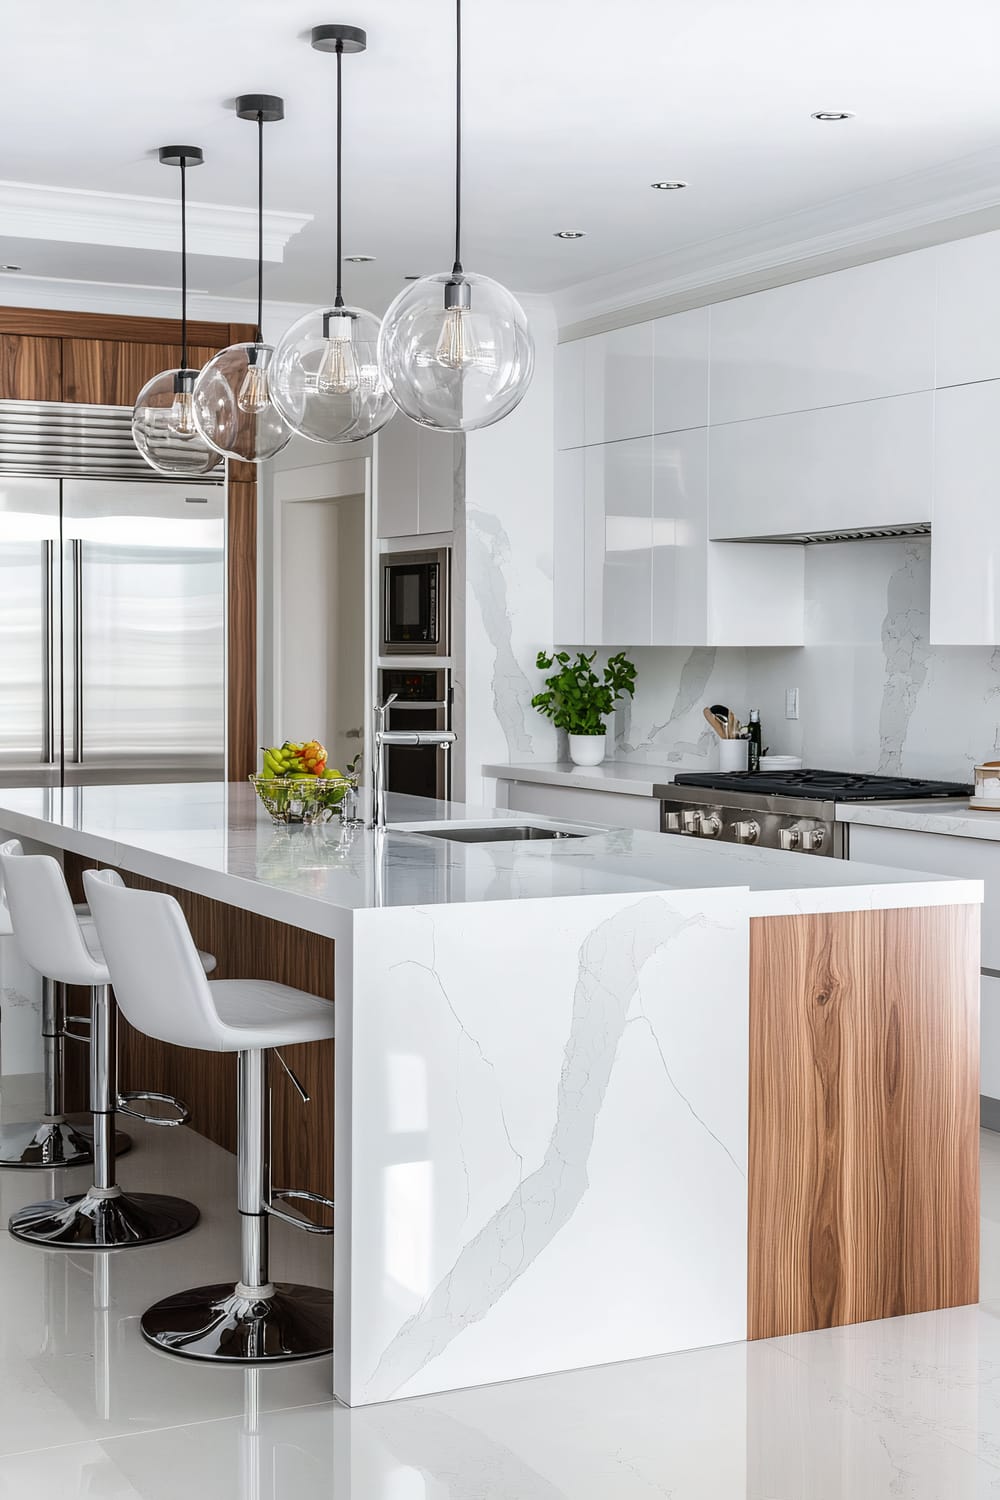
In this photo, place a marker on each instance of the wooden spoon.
(721, 712)
(716, 724)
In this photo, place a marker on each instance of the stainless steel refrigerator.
(112, 629)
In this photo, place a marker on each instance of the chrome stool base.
(222, 1324)
(45, 1143)
(91, 1221)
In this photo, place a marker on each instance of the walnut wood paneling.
(241, 607)
(246, 947)
(107, 372)
(47, 322)
(864, 1117)
(30, 368)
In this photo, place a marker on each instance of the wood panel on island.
(246, 946)
(864, 1117)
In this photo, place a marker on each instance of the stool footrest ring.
(304, 1224)
(167, 1121)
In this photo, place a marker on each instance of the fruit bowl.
(303, 799)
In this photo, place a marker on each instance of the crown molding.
(947, 202)
(78, 216)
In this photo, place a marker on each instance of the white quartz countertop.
(932, 816)
(633, 778)
(215, 839)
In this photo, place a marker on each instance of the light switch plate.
(791, 703)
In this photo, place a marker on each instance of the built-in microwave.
(415, 620)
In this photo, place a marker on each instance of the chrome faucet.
(443, 738)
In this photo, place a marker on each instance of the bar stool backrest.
(45, 924)
(12, 846)
(156, 969)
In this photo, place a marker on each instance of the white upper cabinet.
(842, 468)
(968, 310)
(568, 564)
(853, 335)
(680, 370)
(680, 534)
(415, 479)
(569, 374)
(618, 542)
(965, 537)
(618, 385)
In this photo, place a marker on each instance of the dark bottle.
(754, 735)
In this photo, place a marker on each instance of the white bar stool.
(163, 991)
(52, 1141)
(58, 945)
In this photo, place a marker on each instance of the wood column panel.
(864, 1117)
(30, 368)
(241, 625)
(247, 947)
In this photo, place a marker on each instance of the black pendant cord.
(457, 267)
(260, 226)
(338, 300)
(184, 263)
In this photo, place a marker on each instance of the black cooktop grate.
(826, 786)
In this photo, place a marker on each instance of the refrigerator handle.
(77, 554)
(48, 653)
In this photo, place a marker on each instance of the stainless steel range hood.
(859, 534)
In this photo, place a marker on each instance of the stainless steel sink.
(497, 833)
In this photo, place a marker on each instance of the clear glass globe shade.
(163, 429)
(233, 408)
(325, 378)
(461, 367)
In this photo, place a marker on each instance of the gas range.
(782, 809)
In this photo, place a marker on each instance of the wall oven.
(424, 698)
(414, 607)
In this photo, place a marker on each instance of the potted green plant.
(579, 701)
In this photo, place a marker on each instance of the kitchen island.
(602, 1096)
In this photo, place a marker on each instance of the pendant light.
(163, 426)
(233, 409)
(325, 376)
(454, 349)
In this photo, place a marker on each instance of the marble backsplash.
(874, 694)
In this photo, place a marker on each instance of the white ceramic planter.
(587, 749)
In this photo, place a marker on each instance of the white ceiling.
(572, 109)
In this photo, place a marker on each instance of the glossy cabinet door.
(965, 537)
(968, 310)
(618, 544)
(415, 480)
(852, 335)
(570, 361)
(680, 538)
(568, 564)
(680, 370)
(839, 468)
(618, 384)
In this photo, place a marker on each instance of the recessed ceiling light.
(668, 187)
(570, 234)
(10, 268)
(359, 260)
(831, 114)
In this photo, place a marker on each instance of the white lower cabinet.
(608, 809)
(943, 854)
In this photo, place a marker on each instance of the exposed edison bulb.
(457, 347)
(180, 418)
(339, 373)
(254, 395)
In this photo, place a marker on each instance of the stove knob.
(748, 831)
(816, 839)
(689, 821)
(791, 838)
(710, 825)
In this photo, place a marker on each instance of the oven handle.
(416, 704)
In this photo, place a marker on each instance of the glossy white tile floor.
(906, 1408)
